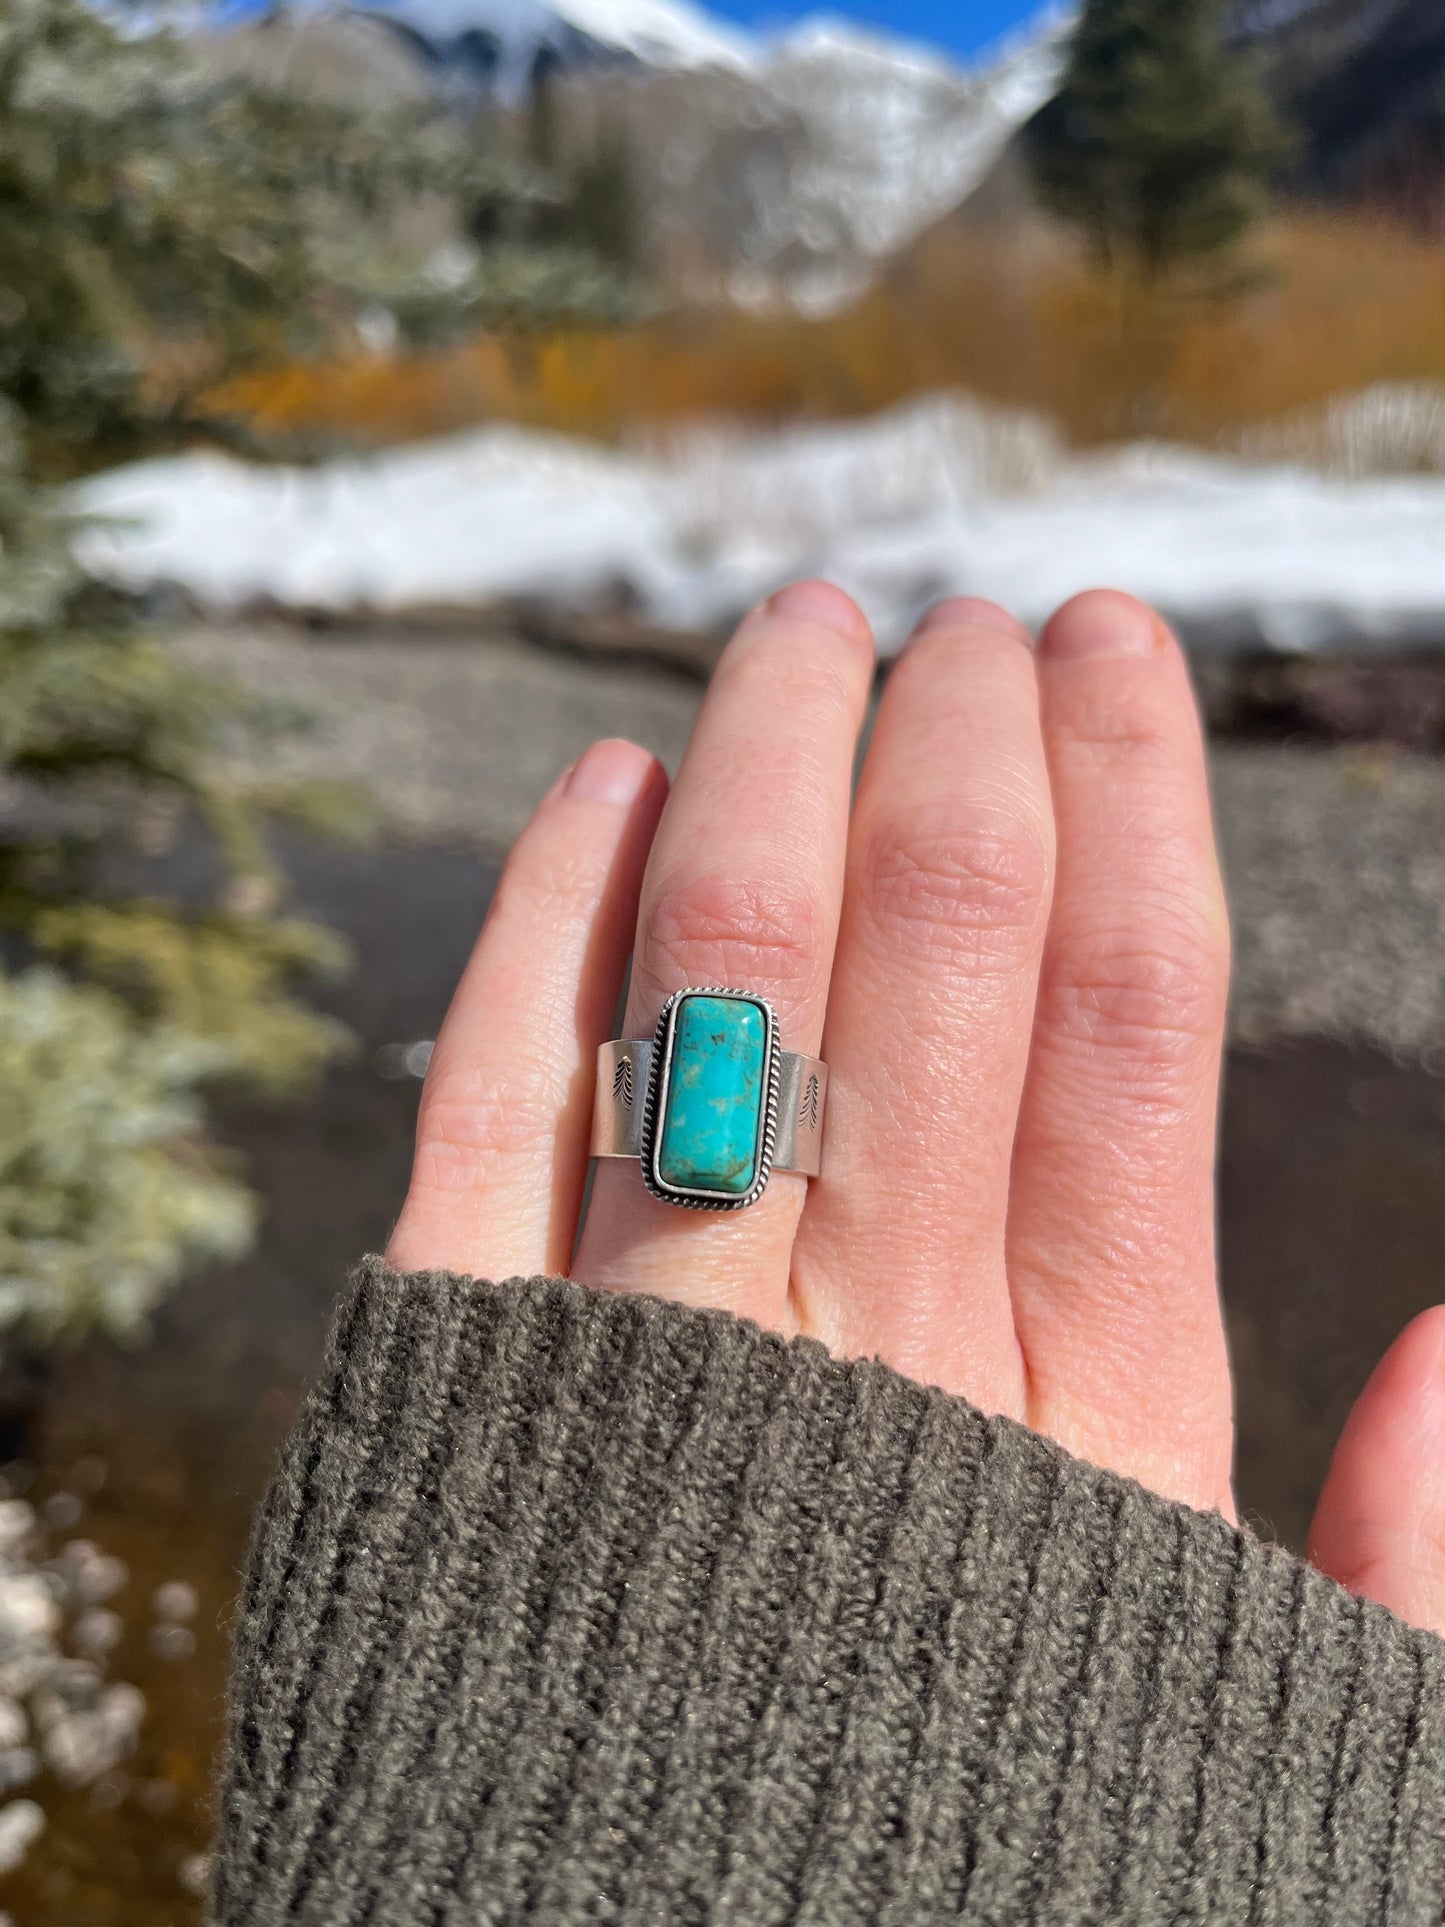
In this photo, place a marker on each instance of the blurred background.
(394, 398)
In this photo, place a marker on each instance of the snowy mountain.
(786, 182)
(774, 171)
(506, 44)
(897, 134)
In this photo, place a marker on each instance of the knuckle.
(470, 1130)
(932, 659)
(1158, 1004)
(1138, 724)
(1136, 740)
(717, 929)
(934, 887)
(538, 887)
(793, 673)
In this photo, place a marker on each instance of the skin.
(1011, 947)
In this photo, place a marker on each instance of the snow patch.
(1392, 428)
(940, 497)
(831, 36)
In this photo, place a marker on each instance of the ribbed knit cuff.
(568, 1607)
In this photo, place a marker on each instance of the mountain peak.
(510, 41)
(835, 37)
(771, 172)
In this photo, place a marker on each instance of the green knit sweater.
(567, 1607)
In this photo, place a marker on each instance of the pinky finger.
(502, 1134)
(1380, 1525)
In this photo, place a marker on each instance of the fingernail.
(819, 602)
(610, 772)
(969, 612)
(1101, 623)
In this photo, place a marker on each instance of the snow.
(661, 33)
(936, 498)
(897, 135)
(451, 522)
(830, 36)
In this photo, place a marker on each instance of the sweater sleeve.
(567, 1607)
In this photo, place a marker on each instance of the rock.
(21, 1824)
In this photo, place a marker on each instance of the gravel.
(1335, 857)
(471, 729)
(1335, 864)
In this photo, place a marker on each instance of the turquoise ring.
(710, 1105)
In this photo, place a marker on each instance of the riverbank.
(1332, 848)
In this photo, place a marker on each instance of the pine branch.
(162, 227)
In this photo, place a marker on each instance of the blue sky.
(963, 26)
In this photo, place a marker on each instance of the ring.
(709, 1105)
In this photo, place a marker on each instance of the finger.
(742, 890)
(949, 862)
(502, 1133)
(1380, 1525)
(1111, 1222)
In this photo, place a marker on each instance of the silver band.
(624, 1074)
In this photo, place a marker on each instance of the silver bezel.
(655, 1104)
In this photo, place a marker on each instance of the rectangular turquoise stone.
(713, 1111)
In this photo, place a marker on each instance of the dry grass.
(1339, 305)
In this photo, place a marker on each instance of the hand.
(1012, 952)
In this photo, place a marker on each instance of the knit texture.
(568, 1607)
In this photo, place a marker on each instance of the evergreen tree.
(1161, 141)
(161, 228)
(544, 117)
(605, 204)
(594, 205)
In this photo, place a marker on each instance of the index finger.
(501, 1152)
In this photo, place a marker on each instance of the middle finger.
(950, 863)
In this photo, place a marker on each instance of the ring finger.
(742, 890)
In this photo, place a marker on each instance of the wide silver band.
(624, 1075)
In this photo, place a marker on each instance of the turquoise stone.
(712, 1118)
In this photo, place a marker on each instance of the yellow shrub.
(1014, 318)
